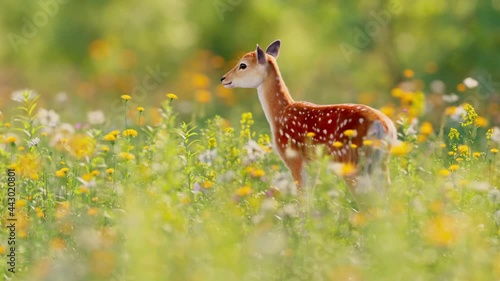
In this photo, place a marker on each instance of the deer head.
(252, 69)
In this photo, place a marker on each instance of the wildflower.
(367, 142)
(451, 98)
(81, 146)
(208, 156)
(443, 145)
(461, 87)
(476, 155)
(441, 230)
(258, 173)
(493, 134)
(437, 86)
(254, 151)
(454, 167)
(343, 169)
(311, 134)
(126, 97)
(453, 134)
(6, 124)
(57, 244)
(207, 184)
(48, 118)
(397, 92)
(43, 134)
(172, 96)
(34, 142)
(109, 137)
(127, 156)
(470, 83)
(463, 149)
(426, 128)
(83, 189)
(481, 121)
(12, 140)
(212, 142)
(63, 140)
(494, 150)
(350, 133)
(338, 144)
(494, 196)
(140, 109)
(455, 112)
(401, 149)
(29, 166)
(92, 211)
(408, 73)
(203, 96)
(470, 116)
(21, 203)
(62, 172)
(22, 95)
(353, 146)
(243, 191)
(105, 149)
(444, 172)
(96, 117)
(130, 133)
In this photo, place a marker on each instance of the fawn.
(297, 127)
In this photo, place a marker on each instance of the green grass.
(179, 202)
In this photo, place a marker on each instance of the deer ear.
(261, 56)
(274, 49)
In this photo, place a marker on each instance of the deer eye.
(243, 66)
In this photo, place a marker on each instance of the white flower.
(34, 142)
(471, 83)
(208, 156)
(48, 118)
(451, 98)
(285, 185)
(457, 115)
(20, 94)
(96, 117)
(61, 97)
(437, 86)
(254, 151)
(495, 135)
(494, 196)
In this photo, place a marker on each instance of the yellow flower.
(454, 167)
(337, 144)
(43, 134)
(481, 121)
(130, 133)
(63, 140)
(6, 124)
(126, 97)
(243, 191)
(401, 149)
(115, 133)
(494, 150)
(109, 137)
(105, 148)
(368, 142)
(461, 87)
(21, 203)
(257, 173)
(426, 128)
(470, 116)
(92, 211)
(454, 134)
(408, 73)
(11, 140)
(463, 149)
(203, 96)
(354, 146)
(441, 231)
(127, 156)
(348, 169)
(83, 189)
(311, 134)
(29, 165)
(476, 154)
(172, 96)
(350, 133)
(444, 172)
(140, 109)
(62, 172)
(397, 92)
(443, 145)
(207, 184)
(110, 171)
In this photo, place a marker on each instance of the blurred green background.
(332, 51)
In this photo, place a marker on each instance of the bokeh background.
(82, 55)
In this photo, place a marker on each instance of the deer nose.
(222, 79)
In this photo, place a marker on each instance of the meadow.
(170, 200)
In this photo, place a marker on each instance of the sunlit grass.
(177, 201)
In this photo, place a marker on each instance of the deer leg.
(295, 165)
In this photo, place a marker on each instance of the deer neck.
(273, 95)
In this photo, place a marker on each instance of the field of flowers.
(168, 200)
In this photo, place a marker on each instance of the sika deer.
(297, 127)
